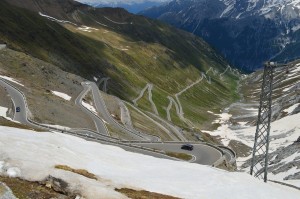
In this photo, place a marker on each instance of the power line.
(260, 159)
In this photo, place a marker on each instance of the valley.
(106, 100)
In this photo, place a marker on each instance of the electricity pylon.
(260, 161)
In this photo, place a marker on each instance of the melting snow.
(57, 20)
(291, 158)
(88, 106)
(13, 172)
(11, 79)
(283, 132)
(36, 155)
(87, 29)
(62, 95)
(3, 111)
(291, 108)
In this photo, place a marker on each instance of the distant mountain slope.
(132, 6)
(132, 50)
(245, 32)
(238, 123)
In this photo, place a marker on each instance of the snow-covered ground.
(87, 29)
(11, 79)
(3, 111)
(283, 132)
(62, 95)
(33, 155)
(56, 20)
(291, 108)
(88, 106)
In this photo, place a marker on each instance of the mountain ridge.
(131, 50)
(247, 33)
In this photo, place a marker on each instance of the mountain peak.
(270, 26)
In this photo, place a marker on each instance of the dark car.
(188, 147)
(18, 109)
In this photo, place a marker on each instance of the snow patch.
(56, 20)
(62, 95)
(287, 89)
(13, 172)
(88, 106)
(291, 108)
(3, 111)
(295, 28)
(87, 29)
(11, 79)
(291, 158)
(283, 132)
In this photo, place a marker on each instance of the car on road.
(188, 147)
(18, 109)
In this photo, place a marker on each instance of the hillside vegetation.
(132, 50)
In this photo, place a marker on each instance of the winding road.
(102, 109)
(202, 153)
(17, 99)
(100, 126)
(148, 87)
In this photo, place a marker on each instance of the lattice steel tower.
(259, 164)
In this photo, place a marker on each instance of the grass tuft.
(134, 194)
(82, 172)
(182, 156)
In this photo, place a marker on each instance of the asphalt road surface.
(18, 101)
(101, 108)
(101, 128)
(203, 154)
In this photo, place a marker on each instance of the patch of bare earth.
(5, 122)
(241, 149)
(182, 156)
(82, 172)
(134, 194)
(30, 190)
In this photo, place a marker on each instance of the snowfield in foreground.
(33, 155)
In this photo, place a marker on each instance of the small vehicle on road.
(18, 109)
(188, 147)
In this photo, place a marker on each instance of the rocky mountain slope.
(182, 74)
(245, 32)
(238, 123)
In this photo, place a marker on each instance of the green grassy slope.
(132, 52)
